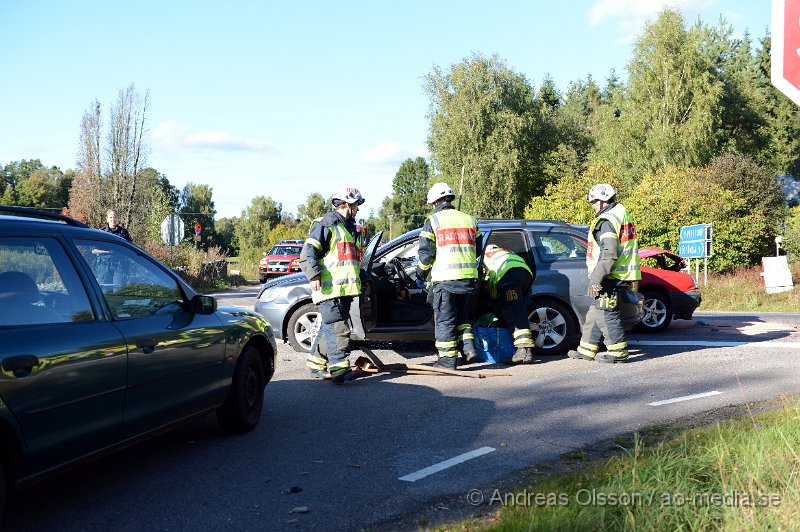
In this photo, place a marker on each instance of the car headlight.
(269, 294)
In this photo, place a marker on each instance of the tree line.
(694, 134)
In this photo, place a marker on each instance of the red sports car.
(668, 292)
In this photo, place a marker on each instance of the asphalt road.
(329, 457)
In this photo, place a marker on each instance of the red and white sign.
(786, 47)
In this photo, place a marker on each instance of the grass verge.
(735, 474)
(742, 290)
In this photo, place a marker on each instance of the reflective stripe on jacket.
(455, 233)
(341, 273)
(497, 262)
(626, 267)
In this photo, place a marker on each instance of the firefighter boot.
(445, 363)
(470, 353)
(522, 355)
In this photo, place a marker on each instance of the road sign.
(693, 233)
(786, 47)
(172, 230)
(692, 250)
(695, 241)
(198, 229)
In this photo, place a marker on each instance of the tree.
(42, 189)
(126, 151)
(197, 206)
(254, 226)
(670, 113)
(566, 199)
(15, 173)
(225, 228)
(762, 195)
(782, 153)
(410, 188)
(114, 175)
(483, 121)
(314, 207)
(84, 198)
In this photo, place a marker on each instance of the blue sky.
(283, 99)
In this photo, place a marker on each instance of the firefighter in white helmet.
(447, 257)
(613, 262)
(331, 260)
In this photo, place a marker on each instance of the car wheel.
(262, 279)
(657, 311)
(242, 409)
(553, 328)
(303, 326)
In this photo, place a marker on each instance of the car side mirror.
(204, 304)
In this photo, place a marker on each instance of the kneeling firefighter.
(510, 278)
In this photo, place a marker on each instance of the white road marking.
(706, 343)
(684, 398)
(422, 473)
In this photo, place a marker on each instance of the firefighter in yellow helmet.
(509, 279)
(447, 255)
(331, 260)
(613, 262)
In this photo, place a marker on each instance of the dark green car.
(102, 345)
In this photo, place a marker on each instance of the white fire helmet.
(601, 192)
(349, 195)
(439, 191)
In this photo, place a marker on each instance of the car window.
(555, 247)
(39, 284)
(132, 285)
(286, 250)
(512, 240)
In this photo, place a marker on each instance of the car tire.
(657, 311)
(553, 326)
(262, 279)
(242, 409)
(303, 325)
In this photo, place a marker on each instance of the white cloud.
(174, 137)
(630, 15)
(386, 153)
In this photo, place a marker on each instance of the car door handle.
(146, 344)
(22, 365)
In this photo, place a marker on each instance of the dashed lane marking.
(684, 398)
(706, 343)
(422, 473)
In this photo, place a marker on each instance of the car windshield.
(286, 250)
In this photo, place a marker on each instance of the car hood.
(291, 279)
(653, 251)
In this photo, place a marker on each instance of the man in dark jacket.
(112, 218)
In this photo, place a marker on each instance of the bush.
(204, 270)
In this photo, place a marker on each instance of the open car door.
(364, 315)
(481, 246)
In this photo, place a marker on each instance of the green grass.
(742, 290)
(741, 474)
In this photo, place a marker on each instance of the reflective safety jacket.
(626, 267)
(497, 262)
(454, 234)
(336, 258)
